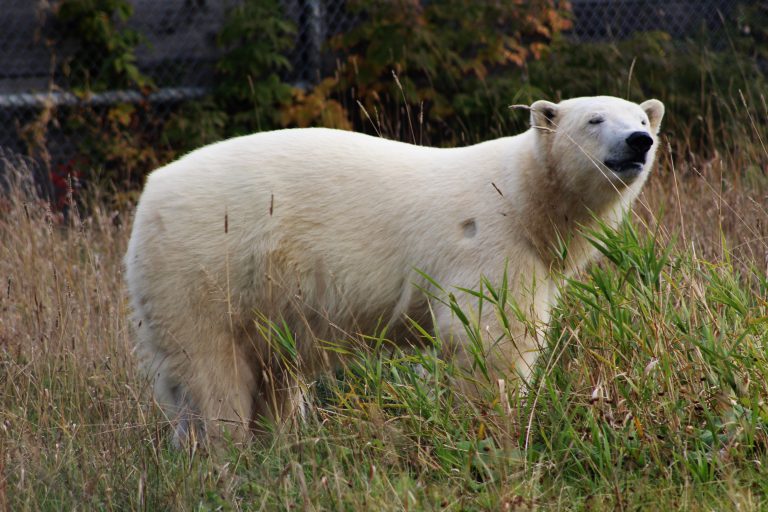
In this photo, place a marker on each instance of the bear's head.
(597, 142)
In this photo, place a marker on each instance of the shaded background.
(178, 48)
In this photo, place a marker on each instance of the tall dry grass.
(77, 424)
(716, 206)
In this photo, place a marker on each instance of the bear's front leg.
(485, 350)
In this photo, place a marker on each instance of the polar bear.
(330, 234)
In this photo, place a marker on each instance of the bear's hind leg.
(205, 389)
(221, 385)
(171, 397)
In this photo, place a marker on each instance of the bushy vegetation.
(443, 63)
(444, 87)
(440, 81)
(94, 51)
(249, 90)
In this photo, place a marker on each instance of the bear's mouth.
(627, 165)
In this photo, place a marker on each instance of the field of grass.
(651, 393)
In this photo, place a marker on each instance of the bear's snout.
(630, 159)
(640, 142)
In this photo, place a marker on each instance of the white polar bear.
(327, 232)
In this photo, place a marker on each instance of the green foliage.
(195, 124)
(445, 73)
(116, 143)
(256, 38)
(427, 72)
(751, 34)
(669, 394)
(250, 91)
(104, 55)
(449, 64)
(699, 80)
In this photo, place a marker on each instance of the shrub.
(700, 85)
(438, 73)
(447, 64)
(115, 143)
(104, 56)
(250, 90)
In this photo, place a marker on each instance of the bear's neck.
(553, 217)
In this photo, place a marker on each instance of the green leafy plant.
(447, 64)
(104, 56)
(116, 142)
(751, 32)
(704, 85)
(250, 90)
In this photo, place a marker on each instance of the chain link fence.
(179, 51)
(605, 20)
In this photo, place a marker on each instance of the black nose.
(640, 141)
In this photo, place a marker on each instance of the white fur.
(325, 230)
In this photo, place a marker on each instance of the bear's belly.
(331, 300)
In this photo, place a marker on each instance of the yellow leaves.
(538, 50)
(481, 431)
(515, 56)
(639, 427)
(121, 114)
(316, 108)
(445, 54)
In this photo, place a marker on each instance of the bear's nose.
(640, 141)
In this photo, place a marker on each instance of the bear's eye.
(596, 120)
(644, 122)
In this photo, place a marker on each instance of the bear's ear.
(655, 111)
(544, 114)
